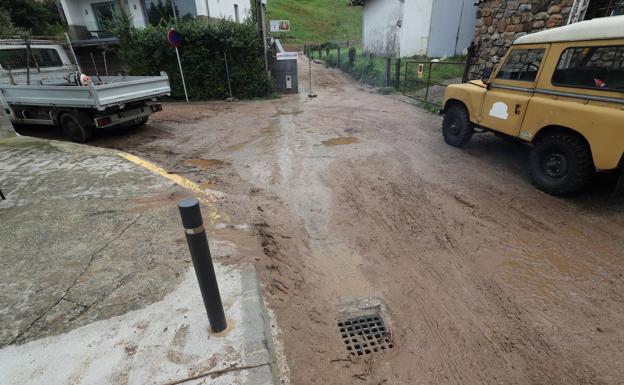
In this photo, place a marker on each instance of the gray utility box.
(283, 66)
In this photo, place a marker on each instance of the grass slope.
(316, 21)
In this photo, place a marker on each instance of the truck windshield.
(15, 58)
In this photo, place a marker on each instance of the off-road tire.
(76, 127)
(457, 127)
(561, 164)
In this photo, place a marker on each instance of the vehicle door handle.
(518, 107)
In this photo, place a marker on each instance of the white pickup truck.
(40, 85)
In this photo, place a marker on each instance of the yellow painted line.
(206, 198)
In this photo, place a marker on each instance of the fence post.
(320, 52)
(339, 61)
(398, 74)
(202, 262)
(428, 82)
(388, 66)
(405, 79)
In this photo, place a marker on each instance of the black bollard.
(202, 261)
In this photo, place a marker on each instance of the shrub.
(352, 54)
(204, 44)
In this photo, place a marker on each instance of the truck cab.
(562, 91)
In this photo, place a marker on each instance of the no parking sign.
(421, 71)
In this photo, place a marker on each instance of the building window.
(603, 8)
(522, 65)
(591, 67)
(158, 11)
(41, 57)
(236, 16)
(104, 13)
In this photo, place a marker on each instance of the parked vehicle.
(40, 85)
(562, 90)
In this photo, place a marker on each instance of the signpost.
(280, 25)
(175, 40)
(286, 56)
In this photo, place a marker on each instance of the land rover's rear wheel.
(76, 127)
(561, 164)
(457, 127)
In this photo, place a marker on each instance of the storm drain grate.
(365, 335)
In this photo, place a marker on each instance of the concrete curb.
(258, 345)
(6, 127)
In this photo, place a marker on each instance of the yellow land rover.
(562, 90)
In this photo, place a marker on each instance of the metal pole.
(175, 17)
(202, 262)
(227, 72)
(71, 48)
(182, 74)
(105, 64)
(311, 95)
(28, 60)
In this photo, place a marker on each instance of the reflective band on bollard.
(202, 262)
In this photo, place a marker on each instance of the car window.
(591, 67)
(15, 58)
(522, 65)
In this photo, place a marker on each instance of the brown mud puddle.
(206, 163)
(341, 141)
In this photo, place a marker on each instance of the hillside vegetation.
(316, 21)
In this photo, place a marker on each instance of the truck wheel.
(561, 164)
(457, 127)
(76, 128)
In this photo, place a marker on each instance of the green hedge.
(146, 52)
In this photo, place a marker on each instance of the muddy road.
(355, 204)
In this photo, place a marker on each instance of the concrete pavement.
(96, 285)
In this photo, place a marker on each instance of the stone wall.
(500, 22)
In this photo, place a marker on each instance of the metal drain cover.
(365, 335)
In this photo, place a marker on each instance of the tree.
(40, 17)
(7, 28)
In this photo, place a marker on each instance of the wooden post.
(398, 74)
(388, 66)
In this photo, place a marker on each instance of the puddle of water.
(341, 141)
(208, 185)
(205, 163)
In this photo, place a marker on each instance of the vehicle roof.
(596, 29)
(23, 42)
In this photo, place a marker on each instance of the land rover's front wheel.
(456, 126)
(561, 164)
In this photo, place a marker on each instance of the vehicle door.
(506, 101)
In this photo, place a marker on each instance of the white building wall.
(136, 11)
(414, 38)
(452, 27)
(380, 29)
(224, 9)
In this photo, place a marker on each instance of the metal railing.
(426, 81)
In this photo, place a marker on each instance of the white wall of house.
(225, 9)
(416, 26)
(428, 27)
(452, 27)
(380, 29)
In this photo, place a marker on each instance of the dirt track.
(355, 198)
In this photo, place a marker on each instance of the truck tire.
(457, 127)
(76, 128)
(561, 164)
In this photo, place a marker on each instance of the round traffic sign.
(174, 38)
